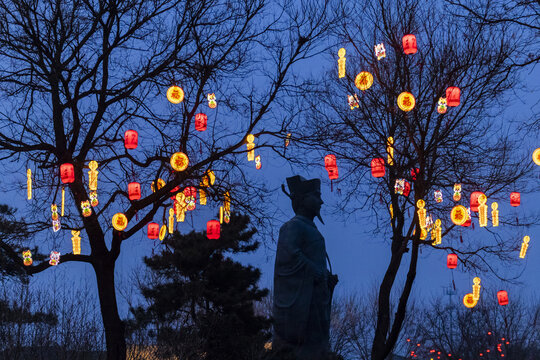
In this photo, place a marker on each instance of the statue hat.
(298, 185)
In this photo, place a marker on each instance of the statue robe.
(301, 294)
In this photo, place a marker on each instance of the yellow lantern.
(27, 258)
(341, 62)
(175, 94)
(212, 103)
(457, 192)
(179, 161)
(390, 150)
(476, 288)
(202, 197)
(391, 211)
(536, 156)
(482, 210)
(119, 221)
(258, 163)
(468, 301)
(420, 204)
(524, 246)
(171, 221)
(76, 241)
(288, 139)
(423, 234)
(29, 184)
(459, 215)
(436, 234)
(406, 101)
(250, 147)
(92, 175)
(162, 232)
(160, 184)
(495, 214)
(363, 80)
(227, 207)
(63, 198)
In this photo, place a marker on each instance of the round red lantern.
(451, 261)
(67, 173)
(474, 200)
(377, 167)
(409, 44)
(213, 229)
(153, 230)
(452, 96)
(515, 199)
(131, 139)
(502, 296)
(200, 122)
(330, 164)
(407, 189)
(414, 173)
(134, 191)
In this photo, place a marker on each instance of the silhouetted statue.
(303, 286)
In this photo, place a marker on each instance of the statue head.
(305, 196)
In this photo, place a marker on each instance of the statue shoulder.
(294, 225)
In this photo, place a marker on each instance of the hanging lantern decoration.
(134, 191)
(131, 139)
(363, 80)
(524, 246)
(420, 204)
(92, 175)
(495, 214)
(515, 199)
(85, 208)
(377, 167)
(341, 62)
(452, 96)
(353, 101)
(27, 258)
(407, 189)
(29, 184)
(330, 164)
(474, 200)
(212, 103)
(54, 258)
(174, 191)
(76, 242)
(93, 198)
(226, 207)
(153, 230)
(414, 173)
(459, 215)
(67, 173)
(502, 297)
(171, 220)
(63, 200)
(201, 121)
(399, 187)
(409, 44)
(54, 216)
(213, 229)
(119, 221)
(180, 207)
(482, 210)
(258, 163)
(436, 234)
(202, 197)
(406, 101)
(175, 94)
(469, 302)
(457, 192)
(179, 161)
(467, 222)
(536, 156)
(390, 150)
(441, 105)
(437, 194)
(451, 261)
(423, 234)
(160, 184)
(391, 208)
(288, 139)
(476, 288)
(190, 197)
(162, 232)
(380, 51)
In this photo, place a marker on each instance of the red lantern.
(467, 222)
(452, 96)
(153, 230)
(451, 261)
(474, 200)
(414, 173)
(409, 44)
(134, 191)
(200, 122)
(407, 189)
(175, 190)
(377, 167)
(212, 229)
(330, 164)
(502, 296)
(515, 199)
(67, 173)
(131, 139)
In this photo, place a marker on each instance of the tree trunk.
(114, 327)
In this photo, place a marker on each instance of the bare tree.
(78, 74)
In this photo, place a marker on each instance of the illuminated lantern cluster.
(402, 187)
(212, 103)
(457, 192)
(119, 222)
(54, 258)
(495, 214)
(175, 94)
(452, 96)
(377, 167)
(250, 147)
(515, 199)
(85, 208)
(406, 101)
(76, 242)
(134, 191)
(153, 230)
(474, 200)
(482, 210)
(67, 173)
(353, 101)
(27, 258)
(190, 197)
(524, 246)
(502, 297)
(441, 105)
(409, 44)
(54, 217)
(380, 51)
(363, 80)
(201, 121)
(341, 62)
(213, 229)
(179, 161)
(451, 261)
(330, 164)
(131, 139)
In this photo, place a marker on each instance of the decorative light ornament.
(476, 288)
(131, 139)
(390, 150)
(452, 96)
(258, 163)
(171, 221)
(63, 200)
(536, 156)
(330, 164)
(399, 186)
(190, 197)
(459, 214)
(468, 221)
(406, 101)
(160, 184)
(213, 229)
(226, 207)
(175, 94)
(153, 230)
(437, 194)
(515, 199)
(441, 105)
(409, 44)
(202, 197)
(27, 258)
(162, 232)
(421, 213)
(67, 173)
(451, 261)
(353, 101)
(93, 198)
(201, 121)
(180, 207)
(495, 214)
(423, 234)
(482, 210)
(469, 302)
(250, 147)
(377, 167)
(363, 80)
(76, 242)
(380, 51)
(502, 297)
(341, 62)
(474, 200)
(524, 246)
(29, 184)
(288, 138)
(457, 192)
(179, 161)
(54, 217)
(212, 103)
(85, 208)
(54, 258)
(119, 221)
(436, 233)
(92, 175)
(391, 208)
(134, 191)
(208, 178)
(414, 173)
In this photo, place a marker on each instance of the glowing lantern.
(27, 258)
(63, 199)
(85, 208)
(131, 139)
(380, 51)
(468, 221)
(468, 301)
(437, 194)
(250, 147)
(29, 184)
(436, 234)
(92, 175)
(67, 173)
(76, 242)
(390, 150)
(353, 101)
(452, 96)
(212, 103)
(153, 230)
(474, 200)
(54, 258)
(134, 191)
(200, 122)
(341, 63)
(441, 105)
(476, 288)
(330, 164)
(190, 197)
(451, 261)
(93, 198)
(288, 138)
(406, 101)
(377, 167)
(459, 215)
(536, 156)
(524, 246)
(363, 80)
(227, 207)
(399, 186)
(258, 163)
(119, 221)
(515, 199)
(179, 161)
(457, 192)
(171, 221)
(409, 44)
(502, 296)
(162, 232)
(175, 94)
(160, 184)
(174, 191)
(495, 214)
(213, 229)
(421, 213)
(482, 210)
(407, 189)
